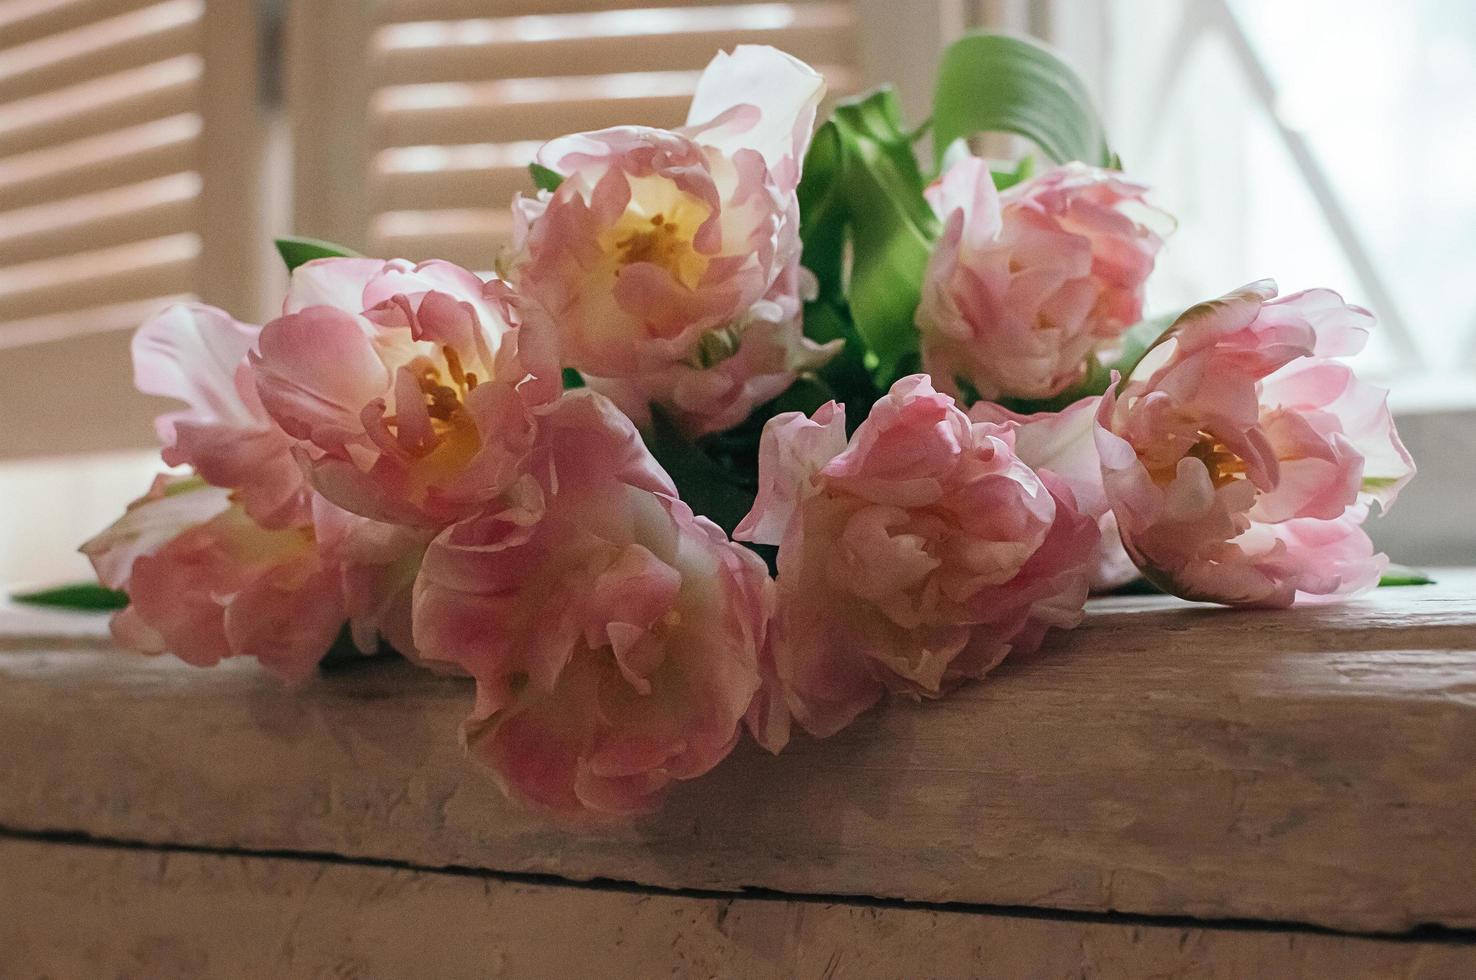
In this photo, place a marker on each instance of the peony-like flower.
(198, 355)
(206, 582)
(1062, 443)
(1023, 290)
(916, 555)
(1242, 457)
(376, 565)
(613, 635)
(403, 386)
(721, 386)
(666, 262)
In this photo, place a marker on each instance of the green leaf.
(544, 178)
(1138, 340)
(572, 379)
(823, 215)
(296, 251)
(892, 227)
(1024, 168)
(708, 487)
(1396, 576)
(81, 595)
(989, 83)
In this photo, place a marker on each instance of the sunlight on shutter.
(461, 101)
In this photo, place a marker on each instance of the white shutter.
(123, 125)
(461, 93)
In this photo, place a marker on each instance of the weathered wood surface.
(1313, 765)
(98, 911)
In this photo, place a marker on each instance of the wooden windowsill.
(1314, 766)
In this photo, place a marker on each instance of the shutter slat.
(142, 270)
(483, 113)
(131, 41)
(157, 149)
(95, 107)
(81, 323)
(466, 91)
(73, 396)
(400, 11)
(826, 40)
(442, 189)
(133, 213)
(23, 21)
(469, 237)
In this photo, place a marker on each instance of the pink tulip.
(1062, 444)
(913, 556)
(722, 388)
(666, 262)
(206, 582)
(403, 386)
(1024, 290)
(613, 635)
(197, 354)
(1241, 458)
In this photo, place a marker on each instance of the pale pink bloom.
(724, 384)
(661, 251)
(206, 582)
(403, 386)
(1062, 444)
(613, 635)
(376, 565)
(1241, 457)
(1024, 289)
(913, 556)
(197, 354)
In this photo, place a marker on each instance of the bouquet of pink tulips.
(756, 424)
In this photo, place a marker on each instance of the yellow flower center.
(1224, 466)
(442, 401)
(658, 227)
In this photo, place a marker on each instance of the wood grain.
(1312, 765)
(91, 911)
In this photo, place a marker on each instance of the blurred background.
(150, 150)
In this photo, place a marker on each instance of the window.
(123, 125)
(1323, 142)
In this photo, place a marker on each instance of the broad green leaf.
(296, 250)
(572, 379)
(544, 178)
(892, 228)
(848, 374)
(707, 486)
(862, 199)
(81, 595)
(989, 83)
(1024, 168)
(823, 216)
(1402, 575)
(1137, 341)
(824, 224)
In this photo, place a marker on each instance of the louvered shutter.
(461, 93)
(128, 177)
